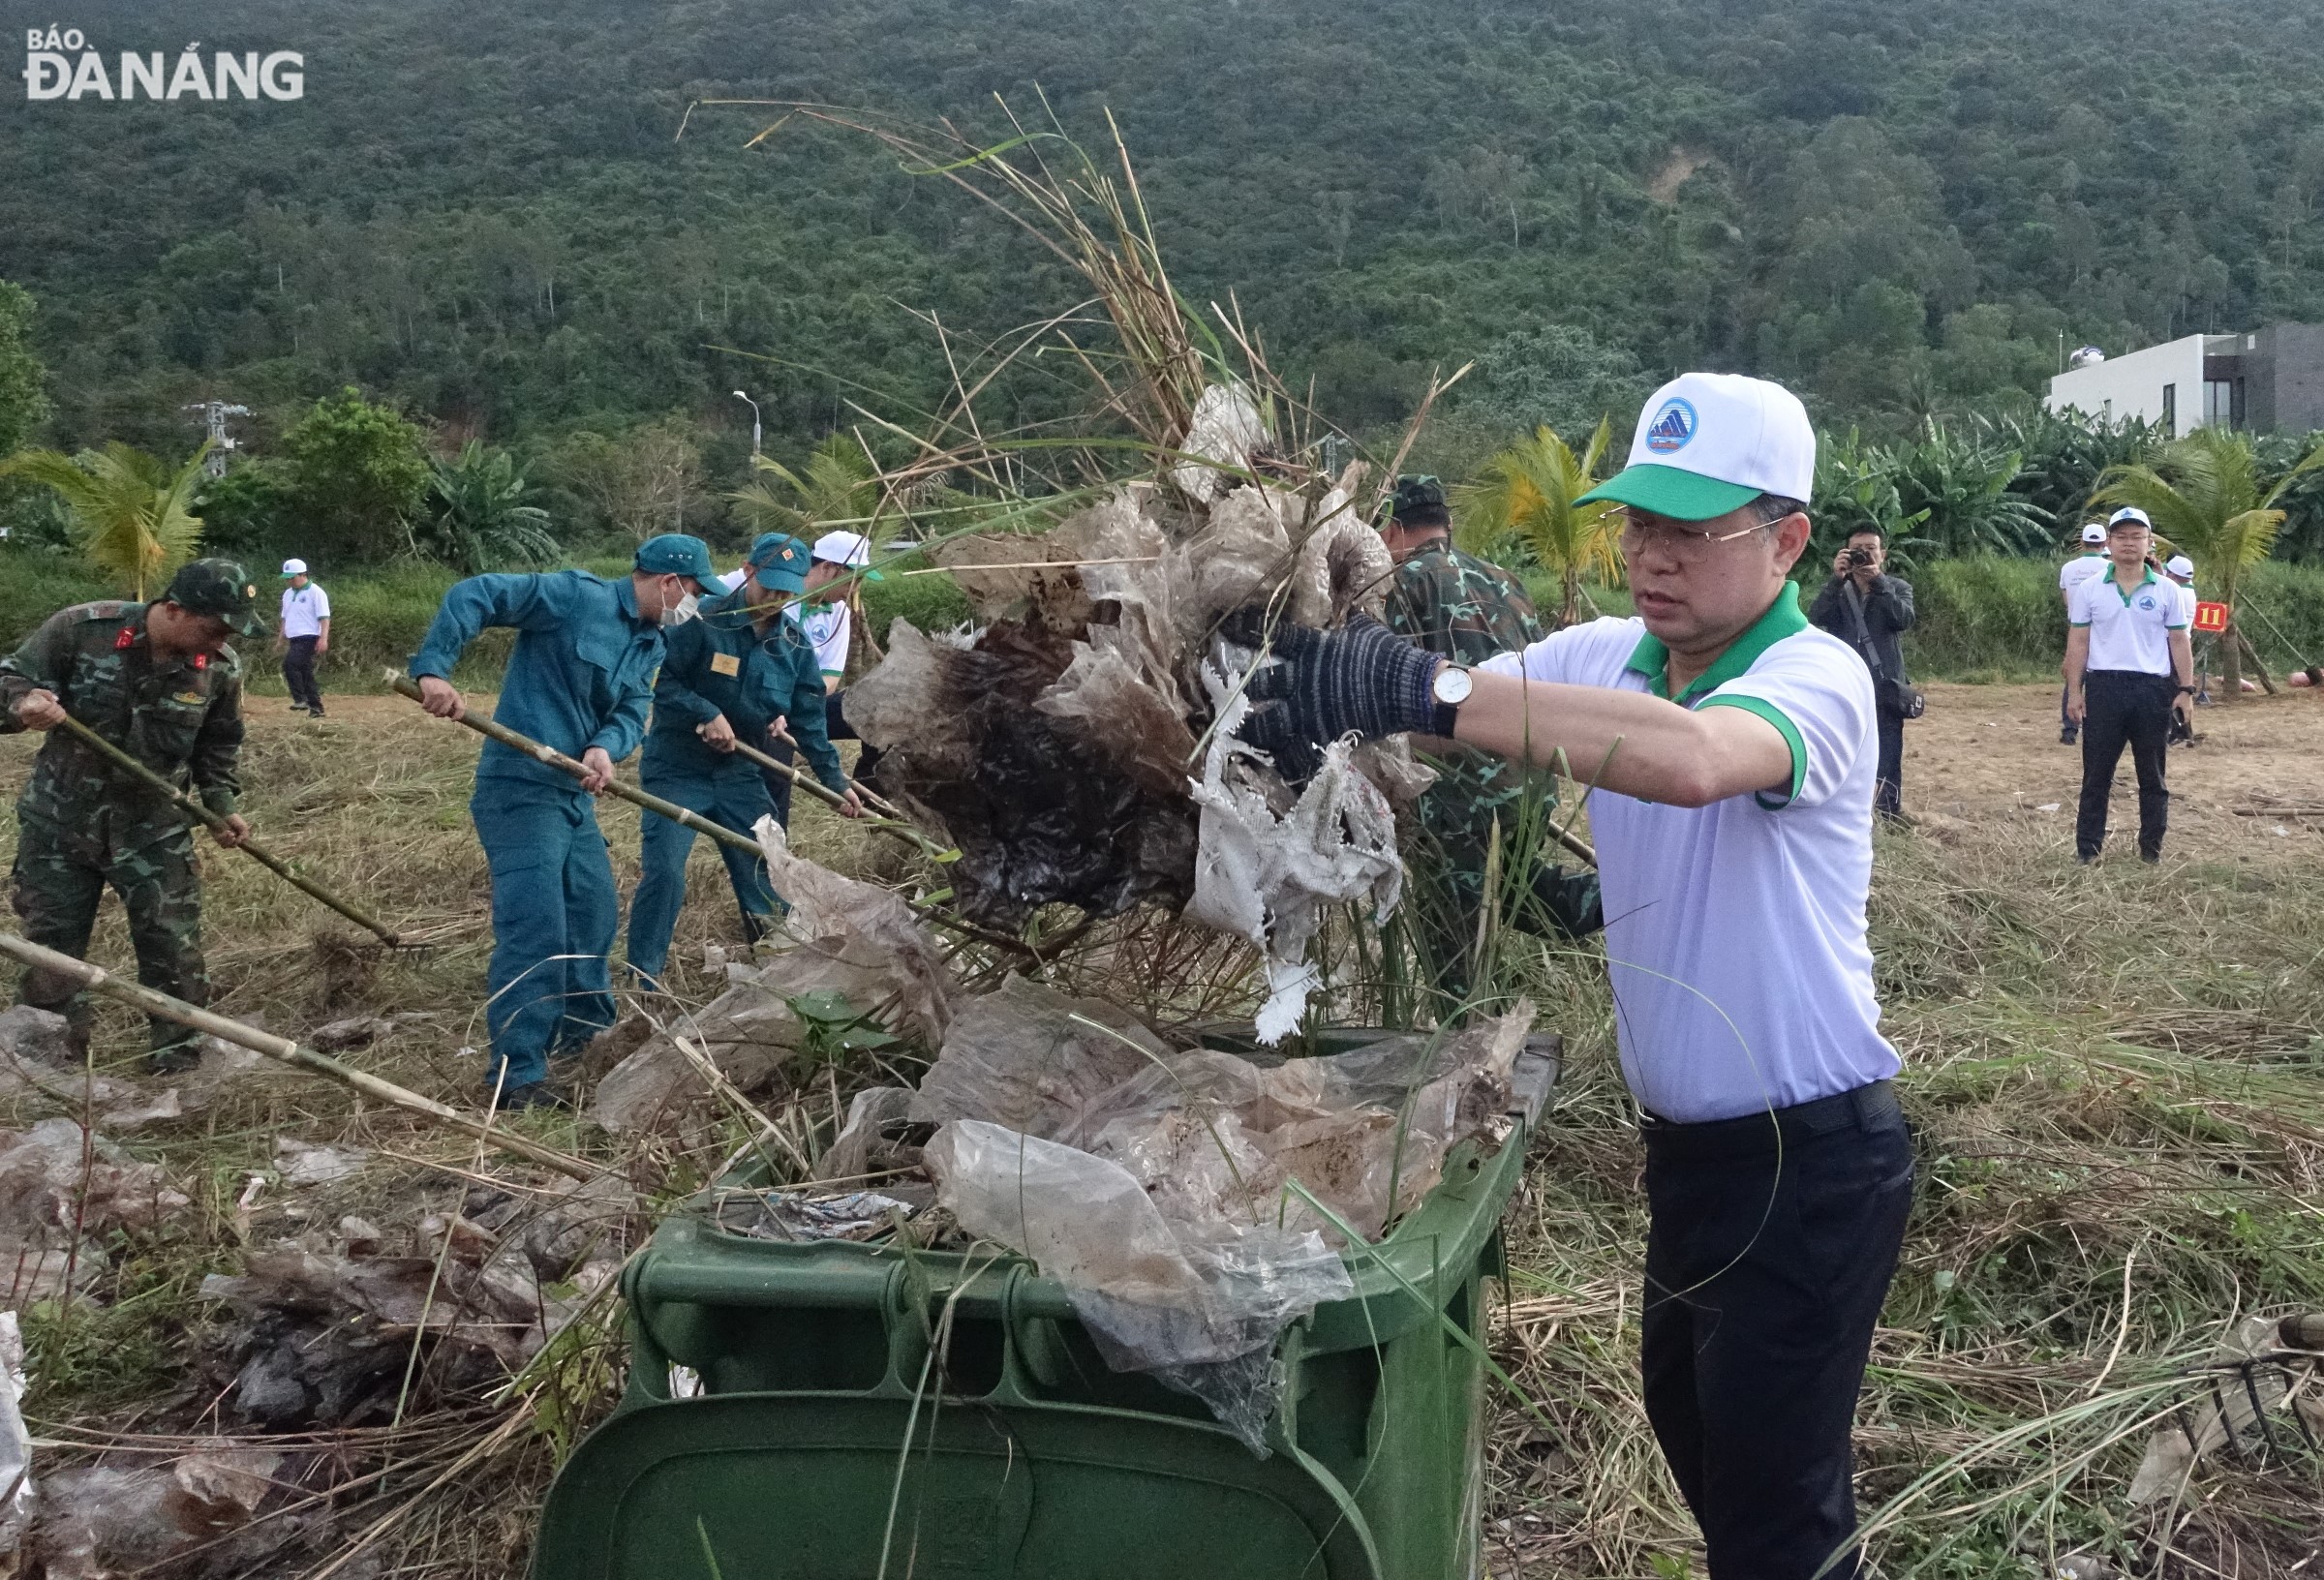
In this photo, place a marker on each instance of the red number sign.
(2211, 617)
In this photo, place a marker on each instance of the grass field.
(2117, 1076)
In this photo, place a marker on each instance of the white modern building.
(2266, 381)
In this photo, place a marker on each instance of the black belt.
(1869, 1107)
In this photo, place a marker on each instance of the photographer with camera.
(1868, 609)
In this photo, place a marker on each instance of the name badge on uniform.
(725, 663)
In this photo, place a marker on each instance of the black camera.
(1858, 559)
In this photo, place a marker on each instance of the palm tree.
(1528, 496)
(479, 518)
(133, 516)
(840, 487)
(2203, 494)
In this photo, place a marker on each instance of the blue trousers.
(554, 915)
(734, 798)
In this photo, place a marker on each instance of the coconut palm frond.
(1527, 498)
(133, 514)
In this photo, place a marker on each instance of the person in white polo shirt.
(2072, 574)
(305, 635)
(2180, 571)
(1733, 823)
(2128, 668)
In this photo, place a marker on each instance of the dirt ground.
(2256, 777)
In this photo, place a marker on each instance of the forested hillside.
(485, 212)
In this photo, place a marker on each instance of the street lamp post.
(753, 405)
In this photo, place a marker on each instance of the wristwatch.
(1450, 688)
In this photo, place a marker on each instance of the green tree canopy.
(356, 472)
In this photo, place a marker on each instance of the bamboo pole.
(193, 808)
(283, 1051)
(494, 730)
(896, 828)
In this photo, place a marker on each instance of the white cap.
(2094, 532)
(2129, 512)
(2179, 564)
(1711, 442)
(294, 567)
(844, 548)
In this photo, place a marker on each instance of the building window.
(2170, 410)
(2224, 403)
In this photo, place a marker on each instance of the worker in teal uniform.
(735, 674)
(588, 649)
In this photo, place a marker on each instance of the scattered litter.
(16, 1443)
(343, 1036)
(791, 1215)
(844, 942)
(99, 1523)
(863, 1144)
(304, 1162)
(37, 1036)
(713, 960)
(2047, 806)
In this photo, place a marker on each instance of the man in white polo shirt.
(2129, 669)
(2072, 574)
(1733, 824)
(305, 635)
(2181, 572)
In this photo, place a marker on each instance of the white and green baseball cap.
(1711, 442)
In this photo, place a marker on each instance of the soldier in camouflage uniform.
(159, 680)
(1464, 609)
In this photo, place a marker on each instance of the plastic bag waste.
(1199, 1304)
(799, 1215)
(1055, 745)
(1027, 1056)
(1267, 877)
(101, 1522)
(15, 1441)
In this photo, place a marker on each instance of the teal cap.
(675, 554)
(780, 561)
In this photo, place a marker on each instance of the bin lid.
(806, 1487)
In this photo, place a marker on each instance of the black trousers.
(1889, 795)
(298, 673)
(2123, 707)
(1766, 1268)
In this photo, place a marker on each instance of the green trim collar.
(2144, 581)
(1652, 658)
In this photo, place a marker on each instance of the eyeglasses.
(1637, 536)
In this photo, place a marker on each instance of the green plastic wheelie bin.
(832, 1438)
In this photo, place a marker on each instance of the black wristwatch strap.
(1447, 717)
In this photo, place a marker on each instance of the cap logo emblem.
(1672, 426)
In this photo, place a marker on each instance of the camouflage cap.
(220, 587)
(1420, 498)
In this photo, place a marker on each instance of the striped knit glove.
(1363, 678)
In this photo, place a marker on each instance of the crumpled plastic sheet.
(102, 1522)
(323, 1338)
(1030, 1057)
(1196, 1304)
(44, 1197)
(15, 1441)
(1158, 1184)
(1225, 430)
(1037, 810)
(794, 1216)
(862, 1144)
(844, 936)
(1267, 878)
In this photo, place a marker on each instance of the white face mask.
(684, 610)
